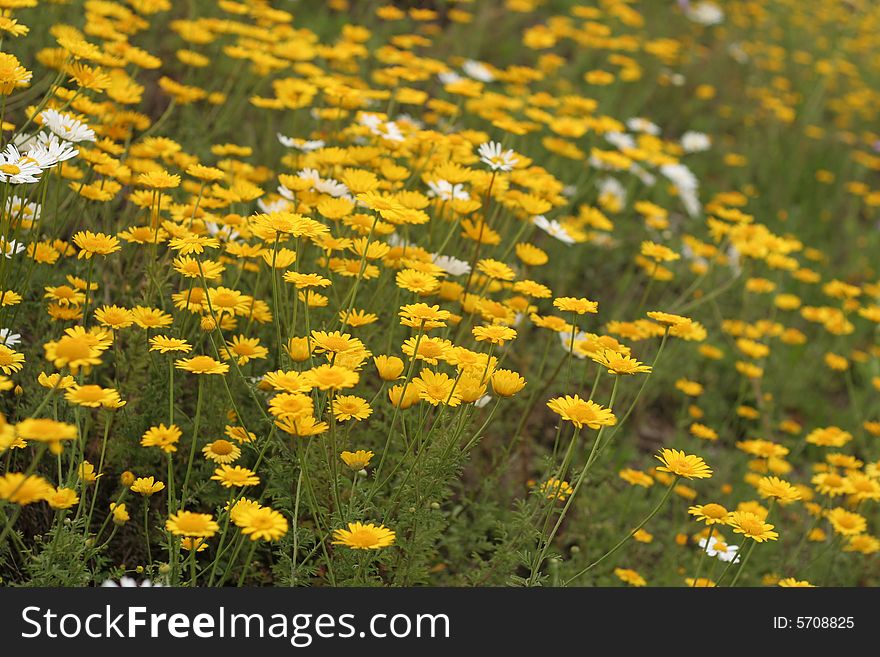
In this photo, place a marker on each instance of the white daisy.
(452, 266)
(686, 183)
(705, 13)
(477, 71)
(20, 208)
(227, 233)
(620, 139)
(553, 228)
(9, 338)
(449, 77)
(388, 131)
(446, 191)
(11, 248)
(611, 187)
(66, 127)
(640, 124)
(491, 154)
(726, 553)
(331, 187)
(278, 205)
(16, 168)
(129, 583)
(48, 150)
(695, 142)
(299, 144)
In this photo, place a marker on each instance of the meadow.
(452, 293)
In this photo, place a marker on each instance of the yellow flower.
(506, 383)
(683, 465)
(192, 525)
(389, 367)
(437, 388)
(93, 396)
(120, 513)
(236, 476)
(95, 244)
(582, 412)
(201, 365)
(146, 486)
(361, 536)
(165, 438)
(752, 526)
(221, 451)
(710, 514)
(262, 524)
(846, 523)
(630, 577)
(619, 364)
(86, 472)
(331, 377)
(494, 334)
(46, 430)
(792, 582)
(347, 407)
(579, 306)
(776, 488)
(18, 488)
(357, 460)
(62, 498)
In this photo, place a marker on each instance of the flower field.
(451, 293)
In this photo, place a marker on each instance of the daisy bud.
(389, 367)
(298, 349)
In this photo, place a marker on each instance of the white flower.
(620, 139)
(452, 266)
(734, 259)
(226, 232)
(66, 127)
(482, 401)
(309, 174)
(639, 124)
(727, 553)
(325, 186)
(705, 13)
(446, 191)
(736, 51)
(396, 240)
(278, 205)
(331, 187)
(16, 168)
(478, 71)
(553, 228)
(611, 187)
(48, 150)
(449, 77)
(9, 338)
(370, 120)
(128, 583)
(11, 248)
(686, 183)
(695, 142)
(647, 178)
(299, 144)
(497, 160)
(409, 120)
(388, 131)
(566, 342)
(19, 208)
